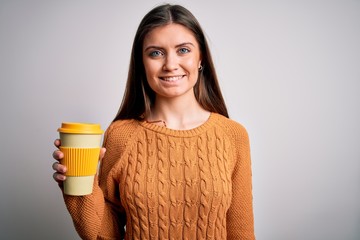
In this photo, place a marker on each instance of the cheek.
(149, 72)
(147, 66)
(190, 65)
(152, 67)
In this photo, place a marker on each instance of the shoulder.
(121, 131)
(231, 128)
(124, 124)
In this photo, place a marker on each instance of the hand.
(60, 170)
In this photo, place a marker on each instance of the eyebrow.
(179, 45)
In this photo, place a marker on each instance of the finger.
(58, 155)
(59, 167)
(102, 153)
(59, 177)
(57, 143)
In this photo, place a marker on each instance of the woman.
(176, 167)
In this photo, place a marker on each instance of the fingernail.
(63, 169)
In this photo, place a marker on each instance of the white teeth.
(171, 79)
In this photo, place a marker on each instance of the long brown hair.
(139, 97)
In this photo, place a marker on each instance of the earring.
(201, 68)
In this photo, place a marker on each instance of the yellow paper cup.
(80, 143)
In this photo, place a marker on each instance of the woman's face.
(172, 58)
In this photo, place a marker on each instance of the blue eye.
(183, 50)
(155, 53)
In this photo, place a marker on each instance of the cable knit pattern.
(170, 184)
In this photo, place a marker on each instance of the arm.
(100, 215)
(240, 220)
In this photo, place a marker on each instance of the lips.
(172, 78)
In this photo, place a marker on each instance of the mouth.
(172, 78)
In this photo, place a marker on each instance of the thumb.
(102, 153)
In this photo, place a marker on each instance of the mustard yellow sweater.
(170, 184)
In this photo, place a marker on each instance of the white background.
(289, 71)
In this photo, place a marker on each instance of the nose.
(170, 62)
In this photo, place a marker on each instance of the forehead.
(170, 34)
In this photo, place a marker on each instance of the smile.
(172, 78)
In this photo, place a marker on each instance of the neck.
(178, 114)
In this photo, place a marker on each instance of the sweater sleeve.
(100, 215)
(240, 220)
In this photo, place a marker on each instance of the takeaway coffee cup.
(80, 143)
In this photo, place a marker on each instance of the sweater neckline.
(181, 133)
